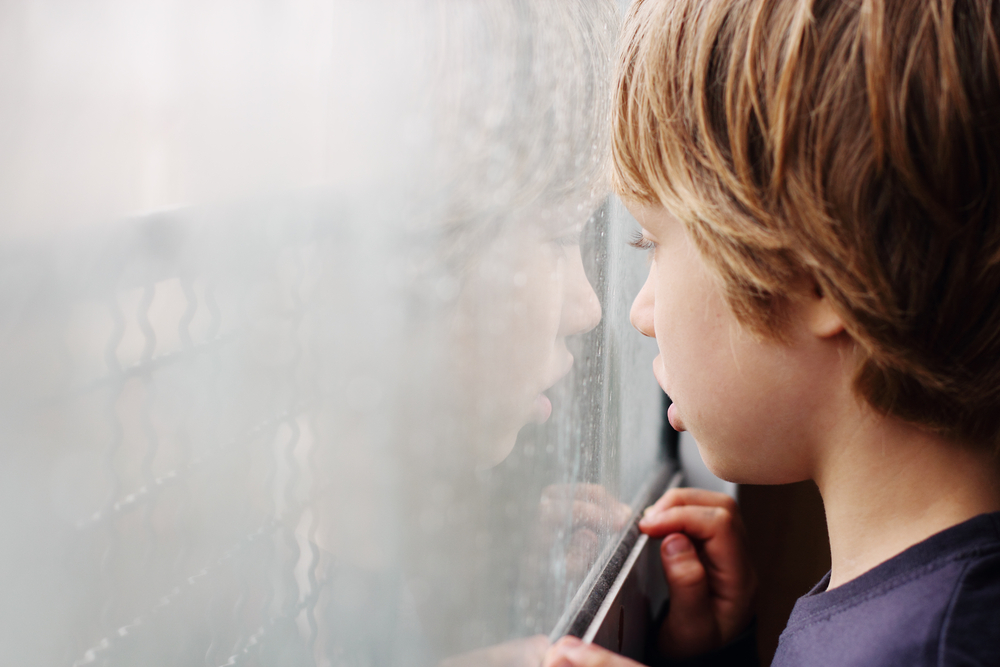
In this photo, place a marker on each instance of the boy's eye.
(639, 241)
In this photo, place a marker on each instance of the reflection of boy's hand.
(705, 560)
(590, 511)
(589, 505)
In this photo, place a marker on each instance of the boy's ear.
(821, 319)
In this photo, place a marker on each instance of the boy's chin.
(744, 470)
(498, 450)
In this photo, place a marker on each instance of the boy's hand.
(705, 560)
(526, 652)
(571, 652)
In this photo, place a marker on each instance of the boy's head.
(853, 146)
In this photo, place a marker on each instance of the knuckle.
(669, 498)
(687, 573)
(722, 518)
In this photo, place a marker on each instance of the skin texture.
(769, 412)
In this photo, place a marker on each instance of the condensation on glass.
(314, 341)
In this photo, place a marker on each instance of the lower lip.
(673, 418)
(541, 409)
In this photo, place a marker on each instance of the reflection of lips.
(562, 371)
(541, 409)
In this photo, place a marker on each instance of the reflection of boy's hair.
(518, 101)
(853, 144)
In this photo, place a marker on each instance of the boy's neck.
(887, 485)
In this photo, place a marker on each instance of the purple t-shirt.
(937, 603)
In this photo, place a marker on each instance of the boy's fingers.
(721, 552)
(691, 626)
(526, 652)
(693, 496)
(571, 652)
(697, 521)
(718, 531)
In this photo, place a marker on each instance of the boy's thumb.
(685, 573)
(690, 627)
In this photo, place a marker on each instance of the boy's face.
(755, 406)
(528, 294)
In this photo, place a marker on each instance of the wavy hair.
(856, 143)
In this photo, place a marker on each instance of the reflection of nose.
(641, 315)
(581, 310)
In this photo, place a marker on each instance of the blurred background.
(314, 340)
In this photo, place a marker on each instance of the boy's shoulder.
(937, 603)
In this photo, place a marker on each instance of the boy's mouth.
(674, 418)
(659, 374)
(672, 413)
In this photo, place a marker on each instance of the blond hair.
(854, 143)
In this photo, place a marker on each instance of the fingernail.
(570, 640)
(676, 545)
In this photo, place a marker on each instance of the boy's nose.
(641, 314)
(581, 308)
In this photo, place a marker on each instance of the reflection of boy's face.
(525, 295)
(752, 405)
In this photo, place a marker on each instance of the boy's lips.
(675, 420)
(673, 414)
(659, 374)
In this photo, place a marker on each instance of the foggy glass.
(314, 340)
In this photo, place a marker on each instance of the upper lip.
(563, 370)
(658, 372)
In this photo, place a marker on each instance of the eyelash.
(641, 242)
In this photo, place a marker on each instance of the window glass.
(315, 341)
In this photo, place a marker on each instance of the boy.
(819, 184)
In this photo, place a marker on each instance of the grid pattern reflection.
(356, 384)
(159, 441)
